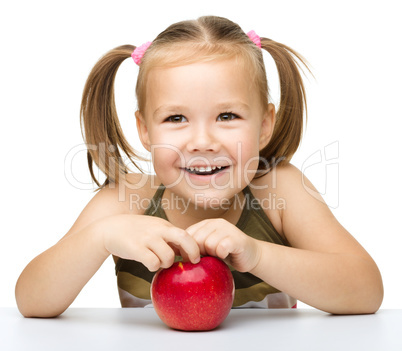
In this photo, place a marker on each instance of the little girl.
(221, 156)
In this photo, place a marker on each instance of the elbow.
(375, 300)
(356, 303)
(34, 312)
(372, 292)
(30, 308)
(360, 291)
(27, 314)
(366, 297)
(369, 305)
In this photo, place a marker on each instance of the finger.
(211, 243)
(187, 245)
(178, 251)
(163, 251)
(150, 260)
(175, 248)
(201, 238)
(208, 237)
(184, 255)
(200, 232)
(224, 248)
(195, 227)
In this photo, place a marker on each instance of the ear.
(142, 131)
(267, 126)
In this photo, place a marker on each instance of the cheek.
(163, 154)
(249, 152)
(166, 159)
(248, 144)
(162, 149)
(249, 162)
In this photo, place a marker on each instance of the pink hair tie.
(254, 38)
(139, 52)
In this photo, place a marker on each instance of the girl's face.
(204, 125)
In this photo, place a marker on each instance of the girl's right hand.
(150, 240)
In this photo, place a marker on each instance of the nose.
(203, 139)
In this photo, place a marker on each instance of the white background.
(48, 49)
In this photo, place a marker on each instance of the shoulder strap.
(154, 206)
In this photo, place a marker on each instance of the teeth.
(204, 169)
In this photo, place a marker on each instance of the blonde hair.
(207, 38)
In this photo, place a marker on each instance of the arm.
(51, 281)
(325, 267)
(338, 283)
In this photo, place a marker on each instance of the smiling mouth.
(208, 170)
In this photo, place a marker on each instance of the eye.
(176, 119)
(227, 116)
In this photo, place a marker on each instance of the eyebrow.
(168, 109)
(235, 104)
(226, 106)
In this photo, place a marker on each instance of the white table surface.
(248, 329)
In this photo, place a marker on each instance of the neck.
(183, 212)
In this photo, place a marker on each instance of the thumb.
(224, 248)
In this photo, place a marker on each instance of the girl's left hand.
(219, 238)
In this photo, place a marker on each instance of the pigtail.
(99, 122)
(289, 118)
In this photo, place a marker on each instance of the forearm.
(336, 283)
(51, 281)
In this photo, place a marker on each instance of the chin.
(214, 200)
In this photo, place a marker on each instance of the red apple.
(190, 296)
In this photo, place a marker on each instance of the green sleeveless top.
(134, 279)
